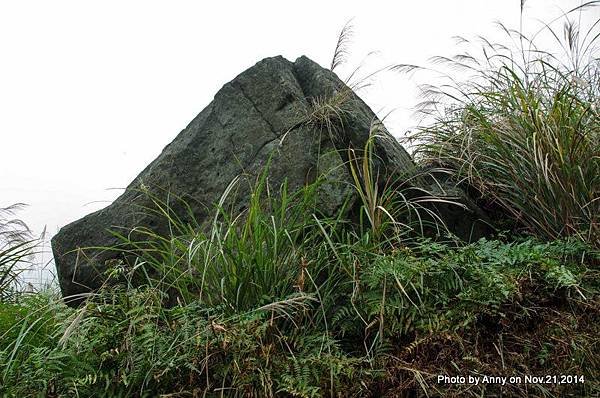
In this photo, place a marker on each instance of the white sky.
(90, 92)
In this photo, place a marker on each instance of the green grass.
(279, 301)
(16, 249)
(524, 130)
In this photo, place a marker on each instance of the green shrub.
(524, 131)
(282, 301)
(370, 312)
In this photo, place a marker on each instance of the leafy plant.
(524, 131)
(16, 246)
(396, 204)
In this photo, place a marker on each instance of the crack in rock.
(239, 87)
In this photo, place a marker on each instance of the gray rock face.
(270, 110)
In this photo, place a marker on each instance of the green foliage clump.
(16, 246)
(524, 131)
(323, 309)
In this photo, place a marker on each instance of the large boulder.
(293, 115)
